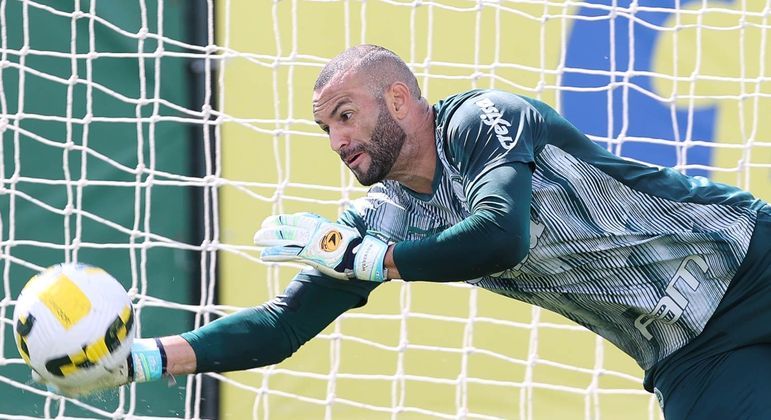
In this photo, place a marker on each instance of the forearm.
(494, 237)
(250, 338)
(180, 357)
(259, 336)
(390, 265)
(463, 252)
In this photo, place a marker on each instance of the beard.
(383, 148)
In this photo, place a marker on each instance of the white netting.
(685, 85)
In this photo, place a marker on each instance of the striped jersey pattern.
(642, 271)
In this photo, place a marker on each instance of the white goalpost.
(153, 143)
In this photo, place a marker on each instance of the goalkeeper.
(500, 191)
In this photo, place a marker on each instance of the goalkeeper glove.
(145, 363)
(332, 248)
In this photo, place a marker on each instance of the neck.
(416, 165)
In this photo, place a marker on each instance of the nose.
(338, 138)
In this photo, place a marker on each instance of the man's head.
(382, 66)
(360, 99)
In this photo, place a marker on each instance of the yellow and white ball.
(72, 321)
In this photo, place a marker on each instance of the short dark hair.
(382, 66)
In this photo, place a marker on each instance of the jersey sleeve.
(273, 331)
(269, 333)
(492, 129)
(494, 237)
(490, 138)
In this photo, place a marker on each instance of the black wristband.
(130, 367)
(163, 355)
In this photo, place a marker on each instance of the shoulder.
(490, 127)
(483, 115)
(482, 106)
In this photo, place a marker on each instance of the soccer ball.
(73, 321)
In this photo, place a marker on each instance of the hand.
(145, 363)
(109, 378)
(336, 250)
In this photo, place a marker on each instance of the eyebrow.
(342, 102)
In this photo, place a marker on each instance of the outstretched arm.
(264, 335)
(254, 337)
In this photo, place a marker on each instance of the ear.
(399, 99)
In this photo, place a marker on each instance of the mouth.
(353, 159)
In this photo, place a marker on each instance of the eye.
(345, 116)
(324, 128)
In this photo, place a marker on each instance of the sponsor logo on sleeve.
(493, 118)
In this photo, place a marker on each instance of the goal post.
(96, 116)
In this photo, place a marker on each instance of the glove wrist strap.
(368, 264)
(163, 355)
(147, 360)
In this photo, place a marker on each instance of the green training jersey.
(637, 254)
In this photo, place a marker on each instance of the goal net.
(152, 142)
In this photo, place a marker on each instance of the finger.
(281, 254)
(281, 236)
(302, 220)
(272, 221)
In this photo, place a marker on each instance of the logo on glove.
(331, 241)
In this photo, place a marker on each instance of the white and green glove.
(146, 362)
(336, 250)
